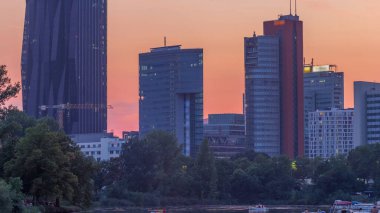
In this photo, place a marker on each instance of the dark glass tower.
(171, 94)
(262, 94)
(64, 63)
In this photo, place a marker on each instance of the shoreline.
(207, 208)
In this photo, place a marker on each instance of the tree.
(7, 89)
(12, 128)
(10, 195)
(365, 161)
(149, 164)
(205, 174)
(337, 179)
(84, 169)
(225, 169)
(43, 160)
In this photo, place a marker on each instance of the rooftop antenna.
(296, 6)
(165, 41)
(290, 7)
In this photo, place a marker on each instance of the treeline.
(40, 166)
(153, 172)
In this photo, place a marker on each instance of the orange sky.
(342, 32)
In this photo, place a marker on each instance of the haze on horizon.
(341, 32)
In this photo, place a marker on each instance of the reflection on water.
(233, 209)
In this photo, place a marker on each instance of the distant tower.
(274, 88)
(289, 30)
(171, 94)
(64, 63)
(262, 94)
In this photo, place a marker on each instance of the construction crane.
(61, 108)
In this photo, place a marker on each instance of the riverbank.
(212, 208)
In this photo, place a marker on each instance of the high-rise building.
(289, 30)
(64, 63)
(225, 134)
(280, 68)
(323, 90)
(262, 94)
(367, 113)
(330, 133)
(171, 94)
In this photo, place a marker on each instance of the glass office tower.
(171, 94)
(262, 94)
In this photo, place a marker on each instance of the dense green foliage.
(154, 172)
(11, 198)
(50, 166)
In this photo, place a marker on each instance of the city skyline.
(226, 26)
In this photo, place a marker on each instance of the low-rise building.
(225, 134)
(101, 147)
(128, 136)
(330, 133)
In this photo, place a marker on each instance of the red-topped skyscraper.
(289, 30)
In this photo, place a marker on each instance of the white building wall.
(330, 133)
(103, 150)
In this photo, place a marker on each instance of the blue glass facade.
(262, 94)
(171, 94)
(367, 113)
(323, 90)
(64, 63)
(225, 134)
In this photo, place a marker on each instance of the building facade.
(262, 94)
(171, 94)
(323, 90)
(367, 112)
(289, 30)
(64, 63)
(101, 147)
(225, 134)
(331, 133)
(129, 136)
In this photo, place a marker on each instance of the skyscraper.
(64, 63)
(171, 94)
(289, 30)
(323, 90)
(262, 94)
(274, 88)
(367, 113)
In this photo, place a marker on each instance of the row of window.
(99, 152)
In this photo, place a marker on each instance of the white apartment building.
(99, 146)
(330, 133)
